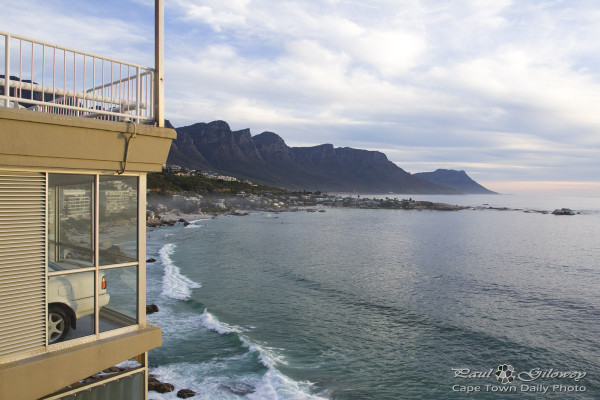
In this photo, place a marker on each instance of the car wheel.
(58, 324)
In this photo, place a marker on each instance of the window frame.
(97, 268)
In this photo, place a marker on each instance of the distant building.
(118, 200)
(172, 169)
(76, 203)
(227, 178)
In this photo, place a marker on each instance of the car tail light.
(103, 282)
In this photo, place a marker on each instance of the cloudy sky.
(509, 91)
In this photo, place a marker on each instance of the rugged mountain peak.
(243, 139)
(217, 125)
(243, 135)
(268, 137)
(269, 141)
(216, 132)
(272, 148)
(454, 179)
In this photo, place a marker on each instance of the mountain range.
(266, 158)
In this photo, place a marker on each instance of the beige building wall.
(45, 143)
(34, 140)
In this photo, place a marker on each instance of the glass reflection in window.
(118, 219)
(122, 287)
(70, 220)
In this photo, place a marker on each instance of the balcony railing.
(44, 77)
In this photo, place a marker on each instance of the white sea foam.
(274, 385)
(208, 321)
(129, 364)
(174, 284)
(175, 327)
(268, 356)
(213, 380)
(192, 226)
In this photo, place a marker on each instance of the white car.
(71, 297)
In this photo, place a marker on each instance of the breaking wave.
(174, 284)
(213, 379)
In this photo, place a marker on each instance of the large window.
(92, 254)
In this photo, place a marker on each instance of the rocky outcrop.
(163, 387)
(151, 309)
(156, 222)
(185, 393)
(563, 211)
(160, 387)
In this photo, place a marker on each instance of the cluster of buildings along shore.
(243, 202)
(181, 171)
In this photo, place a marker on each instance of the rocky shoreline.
(154, 384)
(164, 387)
(174, 217)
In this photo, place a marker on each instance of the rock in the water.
(151, 309)
(185, 393)
(563, 211)
(161, 387)
(151, 260)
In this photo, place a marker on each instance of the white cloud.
(218, 14)
(482, 84)
(116, 35)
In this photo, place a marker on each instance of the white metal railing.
(44, 77)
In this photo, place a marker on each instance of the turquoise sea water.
(381, 304)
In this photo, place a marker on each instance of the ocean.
(382, 304)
